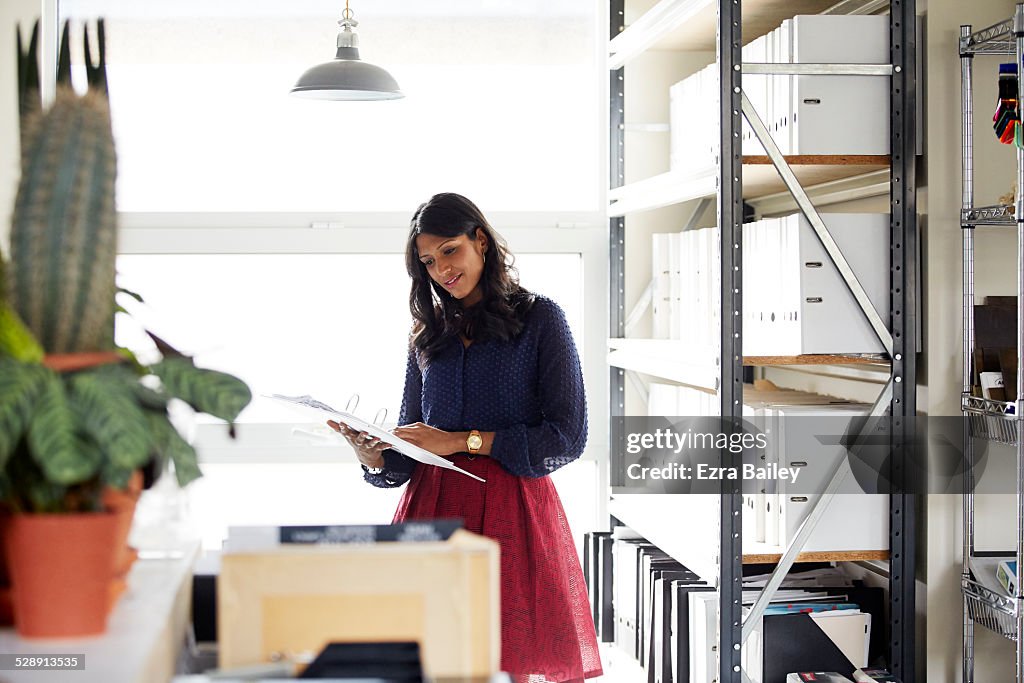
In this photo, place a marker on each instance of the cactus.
(28, 76)
(64, 229)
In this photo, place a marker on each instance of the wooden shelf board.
(814, 359)
(822, 159)
(769, 555)
(697, 31)
(760, 179)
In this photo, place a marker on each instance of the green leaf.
(208, 391)
(134, 295)
(165, 349)
(16, 340)
(110, 414)
(149, 398)
(20, 387)
(171, 445)
(116, 476)
(64, 457)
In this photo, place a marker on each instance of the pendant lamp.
(347, 77)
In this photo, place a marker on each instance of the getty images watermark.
(670, 441)
(799, 454)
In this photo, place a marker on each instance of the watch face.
(474, 441)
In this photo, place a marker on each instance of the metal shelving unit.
(662, 27)
(995, 421)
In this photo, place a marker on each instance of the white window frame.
(579, 233)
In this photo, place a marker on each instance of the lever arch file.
(308, 403)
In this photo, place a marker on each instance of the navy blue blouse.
(528, 391)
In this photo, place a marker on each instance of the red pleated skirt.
(547, 632)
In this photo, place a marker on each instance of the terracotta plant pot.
(61, 568)
(122, 504)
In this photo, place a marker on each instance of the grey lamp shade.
(347, 78)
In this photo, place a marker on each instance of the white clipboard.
(308, 403)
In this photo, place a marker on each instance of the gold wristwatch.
(474, 442)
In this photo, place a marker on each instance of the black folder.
(592, 558)
(605, 620)
(588, 553)
(652, 630)
(680, 660)
(659, 654)
(392, 662)
(647, 560)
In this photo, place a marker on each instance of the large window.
(266, 232)
(328, 325)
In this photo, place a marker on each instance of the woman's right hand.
(368, 449)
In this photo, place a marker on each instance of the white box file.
(677, 271)
(693, 287)
(781, 108)
(756, 88)
(795, 300)
(693, 120)
(774, 405)
(661, 296)
(853, 520)
(839, 114)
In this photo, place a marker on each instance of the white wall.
(11, 13)
(942, 239)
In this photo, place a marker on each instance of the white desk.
(145, 632)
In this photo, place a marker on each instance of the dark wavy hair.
(437, 315)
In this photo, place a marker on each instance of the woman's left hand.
(435, 440)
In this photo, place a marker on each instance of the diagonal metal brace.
(878, 410)
(814, 218)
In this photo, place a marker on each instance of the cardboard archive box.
(292, 600)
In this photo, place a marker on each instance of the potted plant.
(78, 415)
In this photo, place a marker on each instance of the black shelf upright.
(617, 224)
(730, 215)
(903, 292)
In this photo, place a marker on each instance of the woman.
(493, 382)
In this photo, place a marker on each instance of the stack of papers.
(804, 592)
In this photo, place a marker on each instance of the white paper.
(308, 403)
